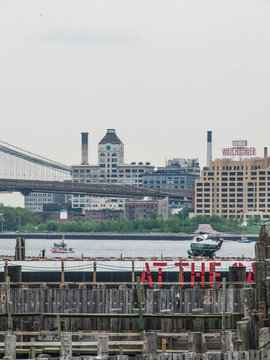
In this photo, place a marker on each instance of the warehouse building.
(234, 189)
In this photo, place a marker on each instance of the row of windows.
(252, 184)
(238, 173)
(224, 194)
(237, 167)
(207, 190)
(96, 171)
(233, 178)
(103, 154)
(249, 190)
(238, 199)
(40, 195)
(108, 160)
(223, 200)
(233, 167)
(35, 209)
(167, 186)
(232, 211)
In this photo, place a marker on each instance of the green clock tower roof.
(111, 138)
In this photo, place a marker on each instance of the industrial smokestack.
(265, 157)
(209, 148)
(84, 148)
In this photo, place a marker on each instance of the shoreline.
(121, 236)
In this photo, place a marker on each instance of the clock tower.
(110, 155)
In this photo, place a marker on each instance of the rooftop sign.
(239, 148)
(239, 151)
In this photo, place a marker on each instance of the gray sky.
(161, 73)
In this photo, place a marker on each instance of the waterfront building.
(142, 209)
(101, 203)
(111, 167)
(110, 156)
(37, 201)
(234, 189)
(179, 173)
(103, 214)
(190, 166)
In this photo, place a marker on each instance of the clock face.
(108, 147)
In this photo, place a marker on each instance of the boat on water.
(244, 240)
(201, 245)
(61, 248)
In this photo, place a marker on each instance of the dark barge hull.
(147, 274)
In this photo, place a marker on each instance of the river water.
(125, 248)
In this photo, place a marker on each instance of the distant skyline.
(223, 151)
(161, 73)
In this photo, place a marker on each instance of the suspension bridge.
(26, 172)
(16, 163)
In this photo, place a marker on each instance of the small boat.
(201, 245)
(61, 248)
(244, 240)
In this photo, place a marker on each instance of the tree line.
(19, 219)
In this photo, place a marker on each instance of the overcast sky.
(161, 73)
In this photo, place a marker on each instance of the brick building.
(142, 209)
(234, 189)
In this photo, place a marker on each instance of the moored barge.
(150, 270)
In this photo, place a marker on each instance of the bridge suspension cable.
(23, 164)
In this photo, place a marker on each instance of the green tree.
(17, 218)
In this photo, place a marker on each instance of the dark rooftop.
(111, 138)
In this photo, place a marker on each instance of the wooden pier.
(118, 321)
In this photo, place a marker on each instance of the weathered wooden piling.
(10, 347)
(260, 284)
(260, 251)
(66, 347)
(114, 322)
(32, 354)
(62, 271)
(95, 275)
(237, 274)
(103, 346)
(196, 343)
(151, 344)
(243, 332)
(260, 316)
(198, 324)
(140, 307)
(121, 357)
(248, 296)
(133, 274)
(264, 339)
(226, 341)
(20, 249)
(14, 272)
(264, 234)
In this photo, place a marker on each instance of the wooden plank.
(111, 315)
(78, 333)
(149, 306)
(74, 343)
(110, 334)
(139, 296)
